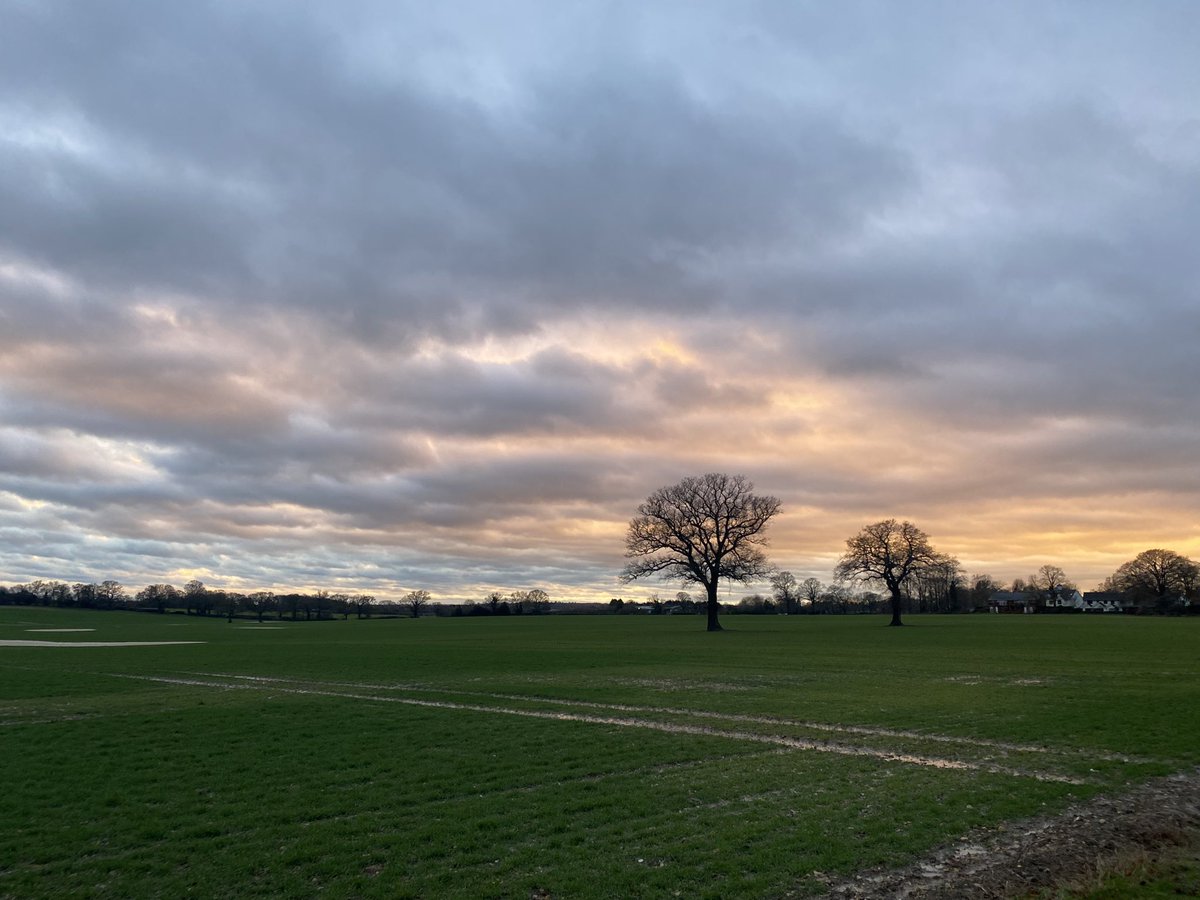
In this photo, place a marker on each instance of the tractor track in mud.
(1159, 818)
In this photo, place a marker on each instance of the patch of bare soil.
(1026, 858)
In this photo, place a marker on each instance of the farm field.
(558, 756)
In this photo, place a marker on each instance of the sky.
(377, 296)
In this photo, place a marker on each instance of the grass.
(1172, 870)
(573, 757)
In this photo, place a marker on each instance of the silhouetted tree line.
(197, 599)
(682, 605)
(1154, 582)
(535, 602)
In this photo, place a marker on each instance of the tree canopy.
(1156, 575)
(704, 529)
(888, 553)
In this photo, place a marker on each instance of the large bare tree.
(888, 553)
(700, 531)
(1156, 574)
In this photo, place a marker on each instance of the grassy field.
(567, 757)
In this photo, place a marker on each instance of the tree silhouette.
(1156, 574)
(785, 590)
(887, 553)
(416, 601)
(701, 530)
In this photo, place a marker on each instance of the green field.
(558, 756)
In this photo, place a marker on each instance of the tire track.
(859, 730)
(792, 743)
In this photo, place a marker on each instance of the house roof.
(1008, 597)
(1104, 597)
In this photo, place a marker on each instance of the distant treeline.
(1154, 582)
(195, 598)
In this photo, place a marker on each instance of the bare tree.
(51, 593)
(785, 589)
(195, 596)
(416, 601)
(230, 601)
(84, 594)
(936, 584)
(887, 553)
(699, 531)
(1049, 581)
(362, 605)
(982, 588)
(810, 590)
(517, 601)
(158, 596)
(538, 600)
(111, 594)
(260, 602)
(1156, 574)
(686, 603)
(341, 604)
(836, 598)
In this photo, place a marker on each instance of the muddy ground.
(1026, 858)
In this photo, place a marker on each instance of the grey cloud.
(263, 169)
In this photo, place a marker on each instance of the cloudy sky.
(378, 296)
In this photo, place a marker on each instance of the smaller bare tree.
(158, 596)
(538, 601)
(810, 592)
(1049, 581)
(785, 590)
(416, 601)
(260, 602)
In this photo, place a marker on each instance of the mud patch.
(681, 685)
(975, 680)
(1024, 858)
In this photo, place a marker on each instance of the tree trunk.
(713, 607)
(895, 591)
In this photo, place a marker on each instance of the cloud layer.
(405, 298)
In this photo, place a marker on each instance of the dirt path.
(1022, 858)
